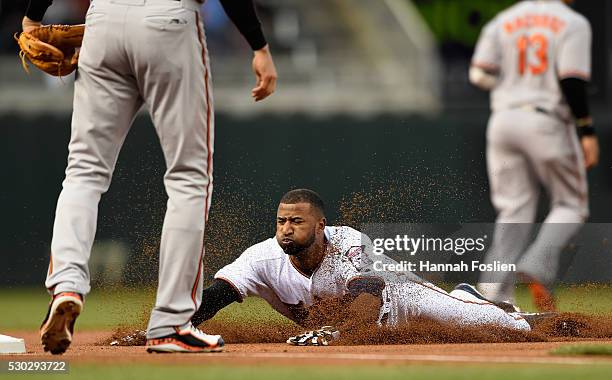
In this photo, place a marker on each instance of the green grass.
(412, 372)
(584, 349)
(591, 299)
(24, 309)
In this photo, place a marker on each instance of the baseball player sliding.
(535, 58)
(135, 53)
(308, 261)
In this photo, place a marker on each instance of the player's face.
(297, 227)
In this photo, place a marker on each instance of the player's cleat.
(543, 298)
(535, 318)
(57, 328)
(320, 337)
(506, 306)
(189, 340)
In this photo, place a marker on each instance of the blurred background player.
(535, 58)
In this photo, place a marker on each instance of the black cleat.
(506, 306)
(190, 339)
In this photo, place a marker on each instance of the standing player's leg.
(560, 169)
(514, 194)
(171, 65)
(105, 102)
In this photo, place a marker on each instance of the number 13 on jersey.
(532, 54)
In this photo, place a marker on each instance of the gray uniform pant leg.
(105, 103)
(171, 64)
(563, 175)
(526, 150)
(514, 194)
(134, 51)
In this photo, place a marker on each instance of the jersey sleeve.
(357, 262)
(487, 54)
(574, 54)
(243, 275)
(37, 8)
(243, 15)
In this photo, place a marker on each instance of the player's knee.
(519, 210)
(193, 185)
(562, 212)
(584, 212)
(94, 178)
(516, 216)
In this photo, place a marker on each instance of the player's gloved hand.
(51, 48)
(320, 337)
(590, 149)
(265, 73)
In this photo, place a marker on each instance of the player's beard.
(295, 249)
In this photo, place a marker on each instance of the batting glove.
(320, 337)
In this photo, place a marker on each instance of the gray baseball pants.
(153, 53)
(527, 150)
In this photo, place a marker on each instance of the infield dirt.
(362, 341)
(86, 349)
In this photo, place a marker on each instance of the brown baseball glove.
(51, 48)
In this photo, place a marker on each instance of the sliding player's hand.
(321, 337)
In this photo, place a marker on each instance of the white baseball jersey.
(265, 270)
(532, 45)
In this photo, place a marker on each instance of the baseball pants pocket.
(166, 22)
